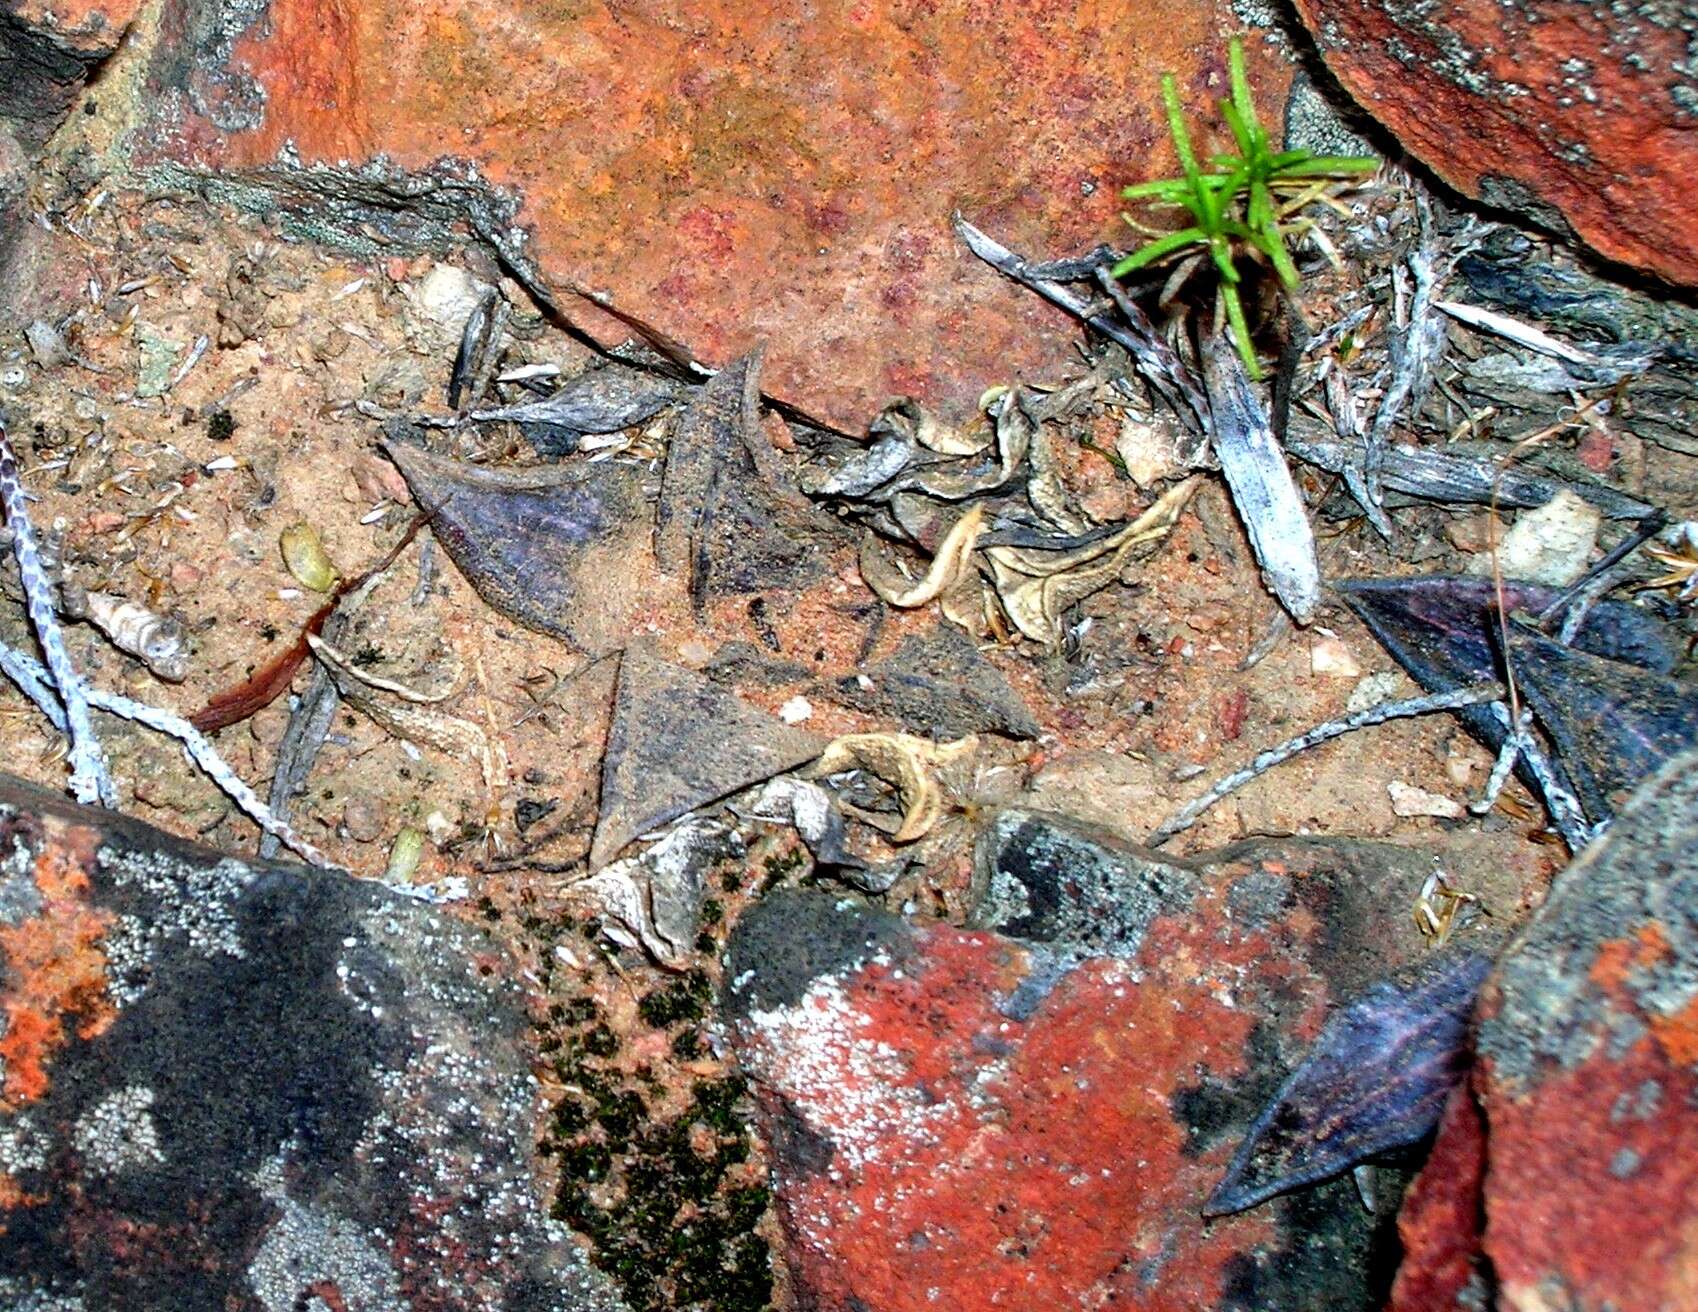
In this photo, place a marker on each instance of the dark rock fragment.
(48, 49)
(940, 685)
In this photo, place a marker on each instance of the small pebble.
(1329, 657)
(1408, 800)
(1373, 690)
(363, 818)
(439, 827)
(1109, 502)
(1473, 533)
(1462, 762)
(796, 710)
(378, 480)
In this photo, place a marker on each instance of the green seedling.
(1243, 203)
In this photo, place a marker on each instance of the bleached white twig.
(28, 672)
(1522, 334)
(90, 780)
(1188, 814)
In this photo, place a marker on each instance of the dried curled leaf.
(951, 563)
(1038, 587)
(653, 900)
(906, 763)
(400, 710)
(1376, 1079)
(1044, 488)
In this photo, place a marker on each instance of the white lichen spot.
(189, 903)
(117, 1134)
(22, 1146)
(308, 1243)
(848, 1088)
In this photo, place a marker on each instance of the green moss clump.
(683, 1000)
(779, 866)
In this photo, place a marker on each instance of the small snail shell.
(157, 640)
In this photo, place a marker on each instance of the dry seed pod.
(157, 640)
(306, 558)
(404, 857)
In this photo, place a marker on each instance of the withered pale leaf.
(907, 763)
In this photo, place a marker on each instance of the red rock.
(47, 48)
(965, 1120)
(728, 173)
(88, 27)
(1439, 1223)
(1588, 1075)
(1580, 116)
(969, 1156)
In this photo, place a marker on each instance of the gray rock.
(239, 1085)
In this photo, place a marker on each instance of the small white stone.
(1330, 658)
(441, 302)
(797, 709)
(1408, 800)
(1373, 690)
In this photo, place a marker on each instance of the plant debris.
(554, 548)
(677, 742)
(1376, 1079)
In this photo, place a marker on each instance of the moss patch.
(656, 1161)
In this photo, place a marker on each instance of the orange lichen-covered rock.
(1439, 1223)
(1588, 1076)
(726, 173)
(1583, 117)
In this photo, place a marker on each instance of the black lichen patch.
(220, 425)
